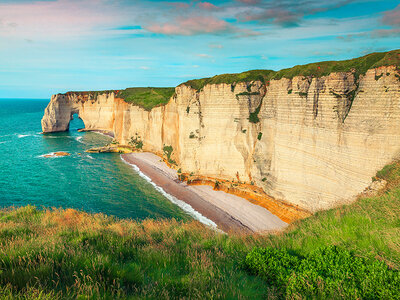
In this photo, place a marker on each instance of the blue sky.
(55, 46)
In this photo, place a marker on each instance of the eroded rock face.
(315, 142)
(96, 113)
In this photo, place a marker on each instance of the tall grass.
(65, 254)
(56, 253)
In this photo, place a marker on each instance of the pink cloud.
(55, 19)
(192, 26)
(179, 4)
(249, 1)
(392, 17)
(207, 6)
(274, 15)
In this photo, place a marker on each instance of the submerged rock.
(57, 154)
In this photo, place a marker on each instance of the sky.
(54, 46)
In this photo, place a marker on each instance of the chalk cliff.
(314, 142)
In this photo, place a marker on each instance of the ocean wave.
(88, 156)
(183, 205)
(51, 154)
(3, 142)
(78, 139)
(23, 135)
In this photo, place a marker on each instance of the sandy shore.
(229, 212)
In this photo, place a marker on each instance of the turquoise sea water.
(93, 183)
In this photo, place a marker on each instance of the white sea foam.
(23, 135)
(51, 154)
(88, 156)
(3, 142)
(78, 139)
(186, 207)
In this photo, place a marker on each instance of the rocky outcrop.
(312, 142)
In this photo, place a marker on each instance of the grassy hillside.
(147, 98)
(358, 65)
(349, 252)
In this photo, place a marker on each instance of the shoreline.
(102, 132)
(229, 212)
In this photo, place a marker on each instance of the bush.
(253, 117)
(136, 142)
(168, 152)
(328, 272)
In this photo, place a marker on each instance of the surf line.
(183, 205)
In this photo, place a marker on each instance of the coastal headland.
(295, 141)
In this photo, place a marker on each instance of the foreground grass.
(67, 254)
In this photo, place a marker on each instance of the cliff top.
(357, 65)
(145, 97)
(150, 97)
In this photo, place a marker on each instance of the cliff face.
(313, 142)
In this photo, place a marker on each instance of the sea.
(95, 183)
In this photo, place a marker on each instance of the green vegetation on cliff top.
(147, 98)
(150, 97)
(351, 252)
(357, 65)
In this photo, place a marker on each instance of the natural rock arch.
(59, 113)
(96, 113)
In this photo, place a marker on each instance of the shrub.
(253, 117)
(136, 142)
(259, 136)
(248, 94)
(328, 272)
(168, 152)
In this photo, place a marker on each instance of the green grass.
(233, 79)
(348, 252)
(326, 273)
(358, 65)
(147, 98)
(70, 254)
